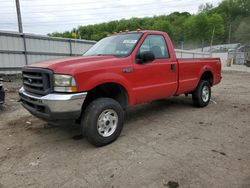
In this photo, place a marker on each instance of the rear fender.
(203, 70)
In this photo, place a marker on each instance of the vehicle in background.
(119, 71)
(2, 93)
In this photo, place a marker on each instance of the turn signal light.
(73, 89)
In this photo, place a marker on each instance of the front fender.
(90, 82)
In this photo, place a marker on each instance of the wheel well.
(208, 76)
(110, 90)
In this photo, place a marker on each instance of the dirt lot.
(167, 140)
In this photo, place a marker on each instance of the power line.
(53, 5)
(65, 22)
(70, 4)
(79, 21)
(97, 8)
(82, 22)
(59, 4)
(91, 2)
(107, 8)
(96, 14)
(87, 9)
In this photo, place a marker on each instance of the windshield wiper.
(108, 55)
(104, 54)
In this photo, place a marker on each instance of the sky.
(47, 16)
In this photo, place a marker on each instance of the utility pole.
(212, 39)
(229, 35)
(19, 18)
(79, 34)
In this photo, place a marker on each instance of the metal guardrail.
(191, 54)
(43, 37)
(19, 49)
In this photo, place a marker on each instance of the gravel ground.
(167, 143)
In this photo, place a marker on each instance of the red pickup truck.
(119, 71)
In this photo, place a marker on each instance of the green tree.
(242, 33)
(189, 26)
(197, 28)
(162, 25)
(201, 28)
(216, 23)
(204, 8)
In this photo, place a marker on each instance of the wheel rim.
(107, 123)
(205, 94)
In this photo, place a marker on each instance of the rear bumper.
(53, 106)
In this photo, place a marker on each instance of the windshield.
(117, 45)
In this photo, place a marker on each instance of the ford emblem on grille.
(30, 80)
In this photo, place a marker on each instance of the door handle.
(172, 67)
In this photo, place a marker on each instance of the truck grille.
(38, 81)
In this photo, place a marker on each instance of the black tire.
(198, 100)
(90, 118)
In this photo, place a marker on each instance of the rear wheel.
(102, 121)
(202, 94)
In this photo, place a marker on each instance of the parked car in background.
(119, 71)
(2, 93)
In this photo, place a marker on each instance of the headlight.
(64, 83)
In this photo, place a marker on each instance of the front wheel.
(202, 94)
(102, 121)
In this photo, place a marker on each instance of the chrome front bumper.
(54, 106)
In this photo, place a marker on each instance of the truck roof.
(152, 31)
(142, 31)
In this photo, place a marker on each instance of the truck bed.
(190, 70)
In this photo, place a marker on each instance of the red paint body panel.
(191, 70)
(145, 82)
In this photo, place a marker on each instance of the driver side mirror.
(145, 57)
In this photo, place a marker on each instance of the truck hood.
(74, 64)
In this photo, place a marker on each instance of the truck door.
(156, 79)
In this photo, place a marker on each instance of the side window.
(156, 44)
